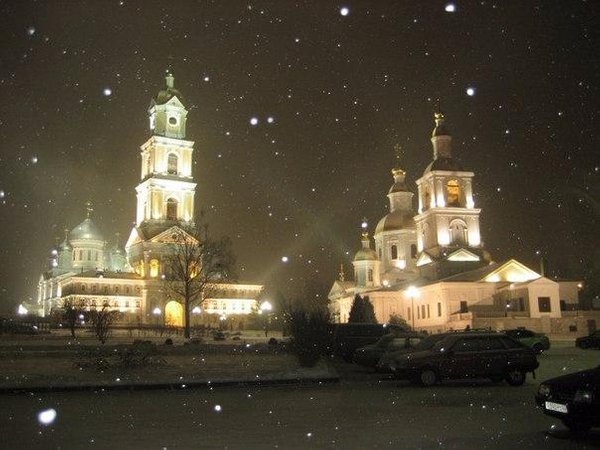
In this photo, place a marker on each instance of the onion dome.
(396, 220)
(401, 213)
(86, 230)
(366, 253)
(167, 94)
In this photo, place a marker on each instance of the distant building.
(86, 270)
(430, 267)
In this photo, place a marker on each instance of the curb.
(180, 385)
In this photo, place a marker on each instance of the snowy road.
(362, 411)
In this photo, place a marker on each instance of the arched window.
(172, 164)
(394, 251)
(458, 232)
(413, 251)
(453, 193)
(370, 275)
(148, 165)
(426, 199)
(154, 268)
(171, 209)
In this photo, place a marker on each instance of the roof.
(108, 274)
(447, 164)
(365, 254)
(86, 230)
(395, 221)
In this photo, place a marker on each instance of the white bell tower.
(165, 195)
(447, 222)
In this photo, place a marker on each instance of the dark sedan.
(468, 355)
(591, 341)
(573, 398)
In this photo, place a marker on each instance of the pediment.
(463, 255)
(173, 235)
(513, 272)
(174, 101)
(423, 259)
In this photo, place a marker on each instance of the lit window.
(453, 193)
(154, 268)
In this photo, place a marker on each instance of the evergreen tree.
(361, 311)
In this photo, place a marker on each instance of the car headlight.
(544, 390)
(582, 396)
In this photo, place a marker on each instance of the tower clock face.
(172, 120)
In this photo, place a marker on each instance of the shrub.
(309, 330)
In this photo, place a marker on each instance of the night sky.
(334, 90)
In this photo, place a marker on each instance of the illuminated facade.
(438, 253)
(85, 271)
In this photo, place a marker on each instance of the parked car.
(347, 337)
(387, 359)
(219, 336)
(11, 326)
(537, 341)
(573, 398)
(468, 355)
(369, 355)
(591, 341)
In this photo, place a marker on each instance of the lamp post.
(266, 308)
(157, 312)
(412, 292)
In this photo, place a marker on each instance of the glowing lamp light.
(470, 91)
(412, 292)
(156, 311)
(21, 310)
(450, 8)
(266, 306)
(344, 11)
(47, 416)
(196, 310)
(284, 259)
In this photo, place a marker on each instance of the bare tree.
(196, 266)
(71, 312)
(102, 319)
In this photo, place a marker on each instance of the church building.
(86, 271)
(430, 268)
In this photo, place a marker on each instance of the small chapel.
(430, 267)
(84, 269)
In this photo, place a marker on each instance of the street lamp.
(266, 307)
(157, 312)
(412, 292)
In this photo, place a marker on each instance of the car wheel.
(428, 377)
(584, 344)
(577, 427)
(538, 348)
(515, 377)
